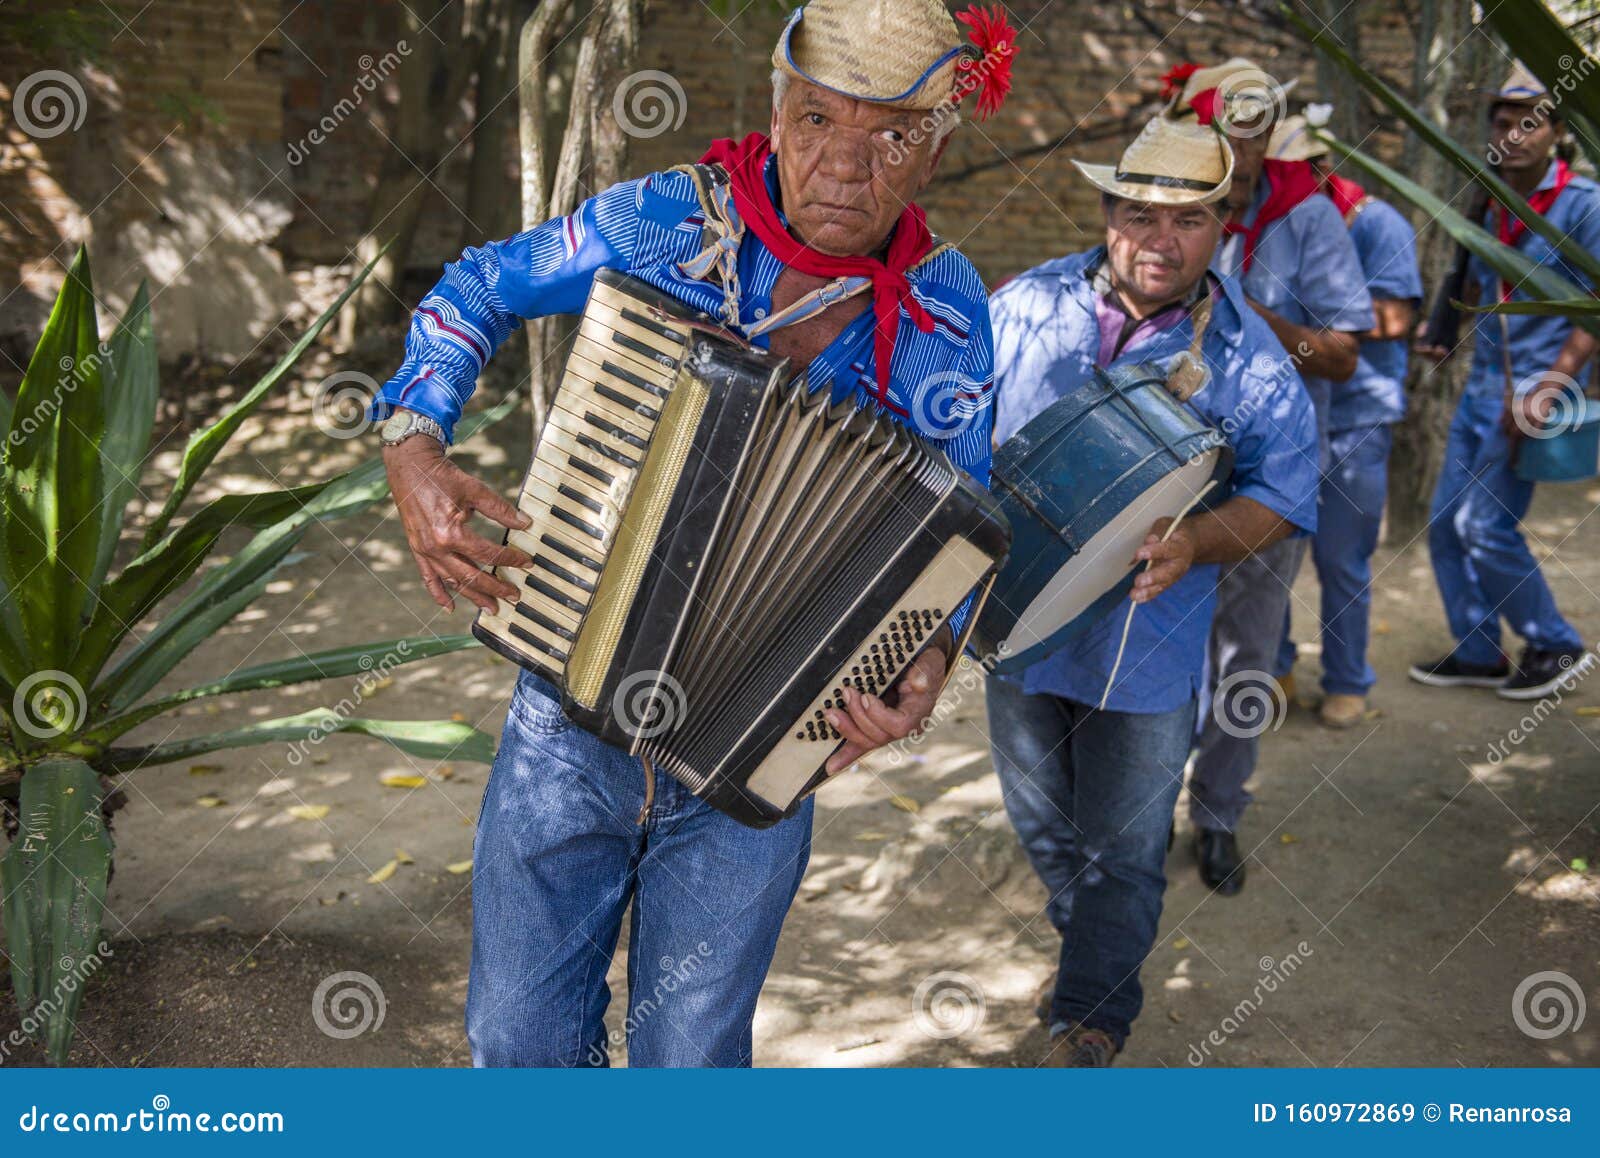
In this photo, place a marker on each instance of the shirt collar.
(1549, 180)
(1079, 272)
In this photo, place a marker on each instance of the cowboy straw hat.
(1247, 90)
(1292, 140)
(899, 52)
(1521, 88)
(1169, 163)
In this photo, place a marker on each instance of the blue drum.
(1081, 484)
(1568, 450)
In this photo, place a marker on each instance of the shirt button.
(760, 313)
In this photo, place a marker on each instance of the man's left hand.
(1528, 413)
(869, 722)
(1168, 560)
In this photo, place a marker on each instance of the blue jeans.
(1349, 515)
(1481, 562)
(561, 855)
(1091, 795)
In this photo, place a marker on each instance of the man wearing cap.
(1299, 270)
(1091, 766)
(1520, 365)
(808, 243)
(1360, 415)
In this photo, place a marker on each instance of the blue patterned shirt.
(941, 382)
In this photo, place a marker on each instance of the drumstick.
(1127, 624)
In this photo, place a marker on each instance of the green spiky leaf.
(428, 739)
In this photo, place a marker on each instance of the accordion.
(718, 552)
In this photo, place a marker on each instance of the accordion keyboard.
(603, 415)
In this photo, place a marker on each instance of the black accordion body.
(718, 553)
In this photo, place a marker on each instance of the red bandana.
(1346, 194)
(1510, 228)
(746, 162)
(1292, 183)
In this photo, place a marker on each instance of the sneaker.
(1451, 672)
(1541, 672)
(1081, 1048)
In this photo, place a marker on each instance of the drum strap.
(718, 259)
(1187, 372)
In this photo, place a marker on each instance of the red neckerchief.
(1345, 193)
(1510, 228)
(1292, 182)
(746, 162)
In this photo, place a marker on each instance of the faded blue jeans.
(1091, 794)
(560, 857)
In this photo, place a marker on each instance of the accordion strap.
(718, 259)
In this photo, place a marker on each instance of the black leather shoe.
(1220, 864)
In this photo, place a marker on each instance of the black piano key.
(591, 470)
(650, 353)
(622, 399)
(534, 641)
(615, 431)
(544, 621)
(580, 498)
(560, 597)
(610, 452)
(576, 556)
(633, 379)
(655, 326)
(572, 520)
(561, 572)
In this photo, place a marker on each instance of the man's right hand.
(1424, 349)
(436, 499)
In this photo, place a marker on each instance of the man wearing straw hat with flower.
(1521, 365)
(806, 241)
(1090, 743)
(1292, 255)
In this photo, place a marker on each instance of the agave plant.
(1533, 33)
(76, 670)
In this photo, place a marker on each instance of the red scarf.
(1510, 228)
(746, 162)
(1292, 182)
(1346, 194)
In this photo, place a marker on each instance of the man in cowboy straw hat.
(571, 836)
(1299, 270)
(1091, 772)
(1360, 415)
(1521, 365)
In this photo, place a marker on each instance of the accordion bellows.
(718, 552)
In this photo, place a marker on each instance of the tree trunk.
(1450, 63)
(432, 79)
(1342, 19)
(491, 202)
(593, 148)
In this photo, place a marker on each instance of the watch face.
(396, 425)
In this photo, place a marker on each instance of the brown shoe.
(1342, 711)
(1042, 999)
(1081, 1048)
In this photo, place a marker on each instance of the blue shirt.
(1046, 341)
(941, 382)
(1535, 341)
(1387, 247)
(1307, 272)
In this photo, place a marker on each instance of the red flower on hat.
(1172, 83)
(996, 41)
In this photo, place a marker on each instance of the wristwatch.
(402, 424)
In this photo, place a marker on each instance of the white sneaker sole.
(1434, 680)
(1562, 682)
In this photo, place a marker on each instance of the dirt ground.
(1406, 877)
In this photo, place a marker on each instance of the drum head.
(1104, 564)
